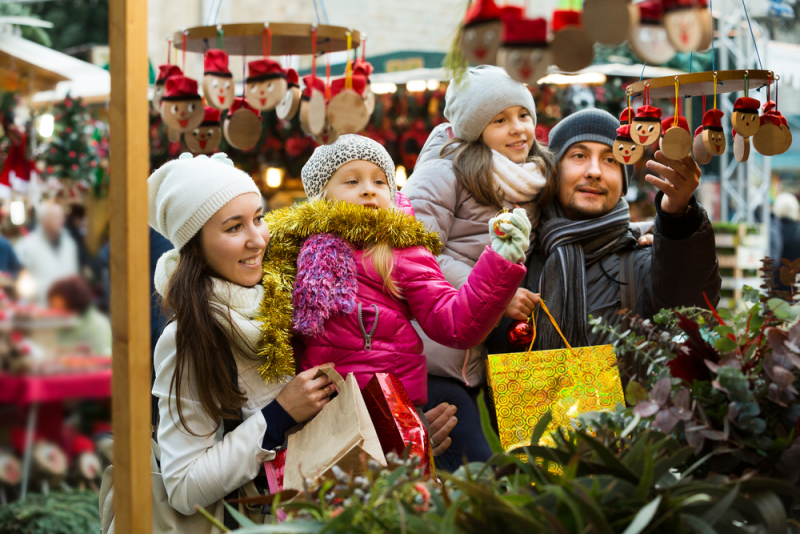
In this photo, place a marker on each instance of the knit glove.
(517, 230)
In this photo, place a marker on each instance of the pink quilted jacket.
(455, 318)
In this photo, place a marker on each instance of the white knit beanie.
(486, 90)
(185, 193)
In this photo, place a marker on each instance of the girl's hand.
(522, 305)
(518, 230)
(304, 396)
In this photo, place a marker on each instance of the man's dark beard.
(575, 213)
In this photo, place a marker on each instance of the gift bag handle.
(330, 372)
(555, 325)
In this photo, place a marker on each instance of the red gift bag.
(396, 420)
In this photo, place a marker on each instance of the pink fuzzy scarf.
(326, 283)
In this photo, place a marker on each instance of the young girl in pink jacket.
(367, 268)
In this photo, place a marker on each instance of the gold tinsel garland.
(288, 229)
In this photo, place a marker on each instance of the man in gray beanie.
(589, 263)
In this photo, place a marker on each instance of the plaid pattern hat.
(327, 159)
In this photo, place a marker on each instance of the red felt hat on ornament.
(165, 71)
(18, 439)
(625, 117)
(769, 106)
(264, 69)
(566, 17)
(698, 131)
(241, 103)
(525, 32)
(292, 78)
(313, 82)
(359, 83)
(179, 87)
(508, 13)
(362, 67)
(215, 62)
(482, 11)
(672, 5)
(648, 113)
(81, 444)
(746, 104)
(668, 123)
(211, 118)
(624, 132)
(772, 118)
(712, 120)
(651, 12)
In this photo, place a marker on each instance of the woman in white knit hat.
(207, 371)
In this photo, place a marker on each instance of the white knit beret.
(327, 159)
(485, 91)
(183, 194)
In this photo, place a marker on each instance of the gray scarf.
(570, 247)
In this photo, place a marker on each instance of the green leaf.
(665, 464)
(609, 460)
(644, 517)
(541, 426)
(772, 511)
(716, 511)
(749, 294)
(725, 314)
(486, 424)
(240, 518)
(725, 344)
(646, 481)
(634, 393)
(698, 525)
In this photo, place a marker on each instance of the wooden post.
(130, 266)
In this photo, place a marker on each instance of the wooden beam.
(130, 266)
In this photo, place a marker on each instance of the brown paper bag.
(336, 436)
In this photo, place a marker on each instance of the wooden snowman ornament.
(480, 34)
(181, 106)
(164, 72)
(312, 106)
(347, 112)
(217, 80)
(361, 67)
(205, 138)
(745, 119)
(741, 147)
(266, 84)
(625, 149)
(713, 134)
(770, 139)
(611, 20)
(683, 24)
(242, 127)
(48, 460)
(571, 48)
(524, 53)
(288, 106)
(86, 468)
(676, 142)
(10, 474)
(772, 109)
(648, 39)
(646, 125)
(699, 152)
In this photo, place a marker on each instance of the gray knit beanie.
(327, 159)
(586, 125)
(484, 92)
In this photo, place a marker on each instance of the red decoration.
(566, 17)
(338, 85)
(482, 11)
(520, 333)
(180, 87)
(215, 62)
(666, 124)
(165, 71)
(264, 69)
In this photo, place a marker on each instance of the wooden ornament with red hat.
(741, 147)
(648, 38)
(242, 126)
(713, 134)
(571, 48)
(217, 79)
(745, 117)
(480, 32)
(625, 149)
(327, 136)
(676, 143)
(683, 24)
(706, 24)
(626, 117)
(205, 138)
(787, 133)
(86, 467)
(524, 53)
(288, 106)
(164, 72)
(48, 460)
(646, 125)
(362, 67)
(10, 474)
(266, 84)
(181, 105)
(769, 140)
(699, 151)
(312, 105)
(611, 20)
(347, 113)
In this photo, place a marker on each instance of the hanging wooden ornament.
(361, 67)
(611, 20)
(288, 106)
(312, 106)
(242, 127)
(646, 125)
(741, 147)
(480, 34)
(626, 117)
(706, 23)
(571, 48)
(713, 134)
(683, 24)
(205, 138)
(625, 149)
(524, 53)
(648, 39)
(164, 72)
(217, 79)
(699, 152)
(266, 84)
(181, 105)
(676, 143)
(347, 112)
(769, 140)
(328, 136)
(745, 119)
(787, 133)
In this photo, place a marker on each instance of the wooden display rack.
(246, 39)
(702, 83)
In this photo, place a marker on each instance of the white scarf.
(243, 302)
(518, 183)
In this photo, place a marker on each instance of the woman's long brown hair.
(472, 165)
(201, 341)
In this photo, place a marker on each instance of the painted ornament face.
(714, 141)
(524, 64)
(265, 95)
(745, 123)
(218, 91)
(645, 133)
(204, 139)
(182, 115)
(650, 43)
(328, 135)
(683, 29)
(288, 106)
(89, 466)
(480, 42)
(626, 151)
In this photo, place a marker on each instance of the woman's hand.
(442, 421)
(304, 396)
(522, 305)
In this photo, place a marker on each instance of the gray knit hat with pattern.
(327, 159)
(484, 92)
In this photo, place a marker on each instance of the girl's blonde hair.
(380, 255)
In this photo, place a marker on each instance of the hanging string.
(314, 51)
(348, 75)
(169, 50)
(630, 108)
(316, 11)
(364, 47)
(220, 38)
(646, 95)
(183, 47)
(691, 58)
(746, 83)
(752, 35)
(266, 41)
(244, 77)
(675, 120)
(715, 90)
(777, 79)
(704, 104)
(642, 74)
(711, 18)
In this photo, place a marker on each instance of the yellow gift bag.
(568, 382)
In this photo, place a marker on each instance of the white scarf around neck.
(518, 183)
